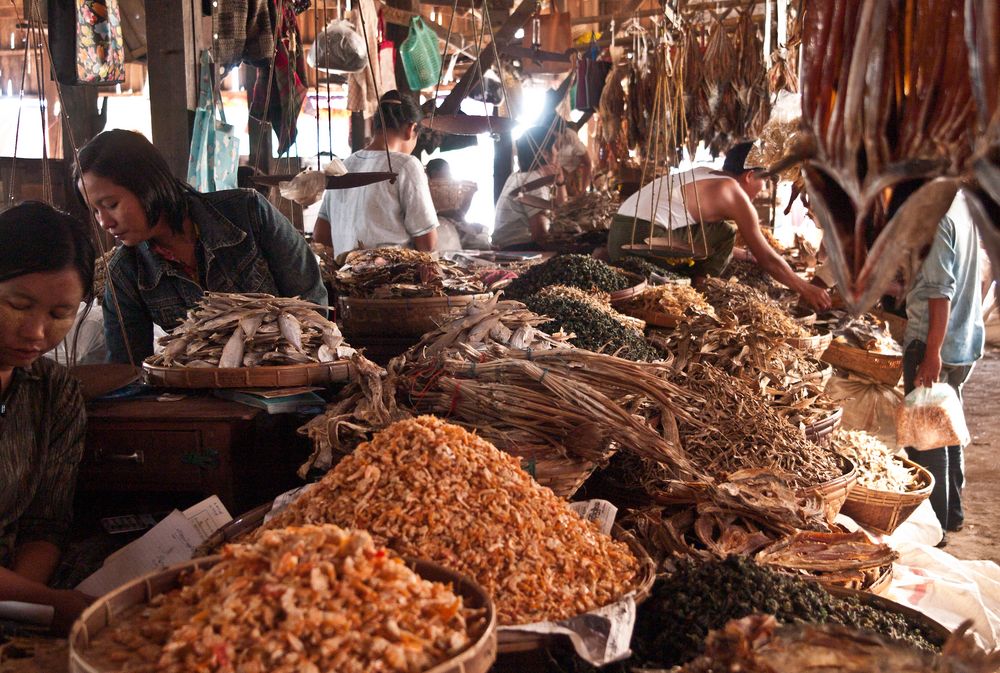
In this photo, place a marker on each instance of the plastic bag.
(931, 418)
(338, 47)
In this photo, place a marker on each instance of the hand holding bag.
(931, 418)
(215, 148)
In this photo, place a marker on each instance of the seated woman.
(519, 226)
(46, 270)
(385, 214)
(177, 243)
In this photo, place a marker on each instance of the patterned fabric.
(99, 43)
(282, 105)
(41, 444)
(244, 30)
(215, 148)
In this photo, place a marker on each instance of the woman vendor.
(519, 226)
(385, 214)
(46, 270)
(699, 205)
(178, 243)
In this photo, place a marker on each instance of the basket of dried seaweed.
(667, 305)
(579, 271)
(251, 341)
(889, 487)
(277, 602)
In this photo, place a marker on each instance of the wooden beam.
(618, 16)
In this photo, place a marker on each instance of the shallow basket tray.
(107, 610)
(814, 345)
(834, 492)
(934, 628)
(279, 376)
(821, 432)
(512, 641)
(883, 368)
(401, 316)
(640, 286)
(883, 511)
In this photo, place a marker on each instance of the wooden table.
(199, 445)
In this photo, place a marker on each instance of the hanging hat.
(736, 158)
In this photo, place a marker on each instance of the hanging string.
(266, 127)
(329, 108)
(444, 55)
(316, 28)
(20, 106)
(98, 234)
(42, 111)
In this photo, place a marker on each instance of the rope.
(444, 54)
(99, 235)
(20, 100)
(279, 26)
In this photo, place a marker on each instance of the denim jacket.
(245, 245)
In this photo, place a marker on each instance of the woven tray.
(882, 368)
(106, 611)
(834, 492)
(883, 511)
(814, 345)
(623, 295)
(402, 316)
(281, 376)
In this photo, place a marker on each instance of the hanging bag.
(338, 47)
(86, 41)
(931, 418)
(591, 73)
(420, 56)
(386, 58)
(215, 148)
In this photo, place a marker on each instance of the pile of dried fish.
(580, 271)
(400, 272)
(327, 262)
(251, 330)
(671, 300)
(309, 598)
(701, 596)
(433, 490)
(866, 332)
(882, 115)
(743, 431)
(101, 274)
(878, 467)
(751, 308)
(591, 327)
(751, 275)
(599, 301)
(757, 644)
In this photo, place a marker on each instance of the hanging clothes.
(243, 31)
(282, 103)
(362, 96)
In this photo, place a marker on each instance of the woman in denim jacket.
(178, 243)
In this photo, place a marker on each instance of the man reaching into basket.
(699, 208)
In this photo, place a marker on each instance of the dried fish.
(867, 332)
(309, 598)
(878, 467)
(672, 300)
(249, 330)
(433, 490)
(399, 272)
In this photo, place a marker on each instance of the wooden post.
(173, 78)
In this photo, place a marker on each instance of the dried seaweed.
(580, 271)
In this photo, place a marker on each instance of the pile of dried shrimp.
(433, 490)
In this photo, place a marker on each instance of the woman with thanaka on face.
(385, 214)
(178, 244)
(46, 270)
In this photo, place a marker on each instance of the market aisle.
(981, 537)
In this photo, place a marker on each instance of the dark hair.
(532, 144)
(435, 167)
(398, 109)
(130, 161)
(37, 238)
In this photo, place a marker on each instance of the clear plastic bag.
(931, 418)
(338, 47)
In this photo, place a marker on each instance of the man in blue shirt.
(944, 339)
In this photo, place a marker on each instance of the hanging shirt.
(383, 214)
(511, 225)
(662, 200)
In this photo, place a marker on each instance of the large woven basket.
(882, 368)
(834, 492)
(403, 316)
(883, 511)
(814, 345)
(897, 324)
(937, 632)
(821, 432)
(513, 641)
(451, 195)
(634, 291)
(108, 610)
(280, 376)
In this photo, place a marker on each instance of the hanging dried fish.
(252, 330)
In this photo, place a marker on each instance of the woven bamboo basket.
(882, 368)
(823, 375)
(622, 295)
(451, 195)
(511, 641)
(402, 316)
(803, 316)
(280, 376)
(883, 511)
(897, 324)
(834, 492)
(814, 345)
(124, 602)
(821, 432)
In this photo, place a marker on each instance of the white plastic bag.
(931, 418)
(338, 47)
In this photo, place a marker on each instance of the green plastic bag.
(420, 56)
